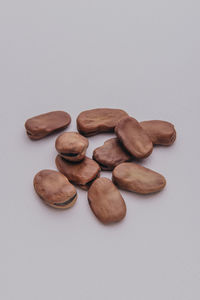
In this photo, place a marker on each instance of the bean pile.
(134, 141)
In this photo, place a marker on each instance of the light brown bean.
(136, 178)
(40, 126)
(55, 189)
(160, 132)
(106, 201)
(71, 146)
(94, 121)
(82, 173)
(111, 154)
(133, 137)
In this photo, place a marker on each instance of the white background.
(143, 57)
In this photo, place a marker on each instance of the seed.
(94, 121)
(81, 173)
(135, 178)
(160, 132)
(133, 137)
(106, 201)
(111, 154)
(45, 124)
(55, 189)
(71, 146)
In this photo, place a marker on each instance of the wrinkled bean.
(45, 124)
(133, 137)
(111, 154)
(82, 173)
(160, 132)
(106, 201)
(94, 121)
(72, 146)
(135, 178)
(55, 189)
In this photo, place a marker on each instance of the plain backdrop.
(140, 56)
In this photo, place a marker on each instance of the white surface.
(141, 56)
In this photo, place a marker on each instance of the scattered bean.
(45, 124)
(135, 178)
(94, 121)
(106, 201)
(55, 189)
(160, 132)
(72, 146)
(133, 137)
(111, 154)
(81, 173)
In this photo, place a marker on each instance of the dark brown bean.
(133, 137)
(111, 154)
(106, 201)
(135, 178)
(55, 189)
(82, 173)
(160, 132)
(72, 146)
(45, 124)
(94, 121)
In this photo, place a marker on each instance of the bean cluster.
(134, 141)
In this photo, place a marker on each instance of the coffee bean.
(135, 178)
(45, 124)
(160, 132)
(55, 189)
(94, 121)
(72, 146)
(133, 137)
(81, 173)
(106, 201)
(111, 154)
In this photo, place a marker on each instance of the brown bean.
(133, 137)
(160, 132)
(72, 146)
(82, 173)
(45, 124)
(55, 189)
(111, 154)
(106, 201)
(94, 121)
(135, 178)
